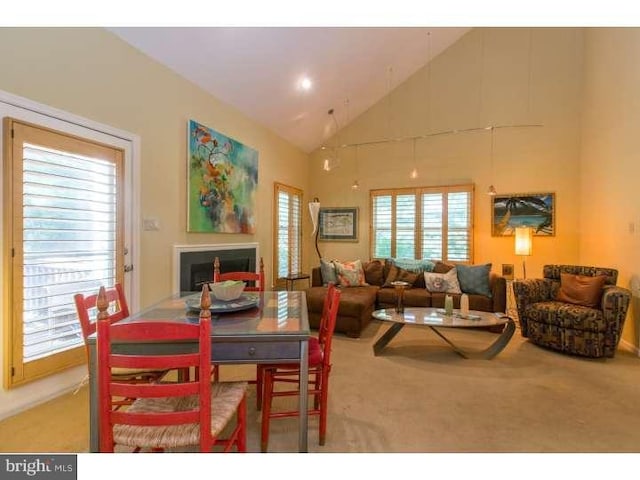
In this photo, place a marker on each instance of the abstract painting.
(222, 182)
(535, 210)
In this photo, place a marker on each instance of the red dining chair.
(313, 341)
(166, 415)
(117, 303)
(319, 369)
(257, 285)
(256, 279)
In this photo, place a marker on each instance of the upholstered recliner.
(567, 327)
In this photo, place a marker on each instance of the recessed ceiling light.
(305, 84)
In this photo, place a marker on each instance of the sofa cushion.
(328, 272)
(411, 265)
(397, 274)
(350, 274)
(442, 282)
(442, 267)
(474, 279)
(374, 272)
(566, 315)
(580, 289)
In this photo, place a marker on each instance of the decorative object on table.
(338, 224)
(573, 327)
(227, 290)
(535, 210)
(314, 211)
(222, 182)
(243, 302)
(464, 304)
(507, 271)
(524, 245)
(448, 305)
(400, 288)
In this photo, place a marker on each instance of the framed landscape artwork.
(338, 224)
(535, 210)
(222, 182)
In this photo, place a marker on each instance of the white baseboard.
(629, 347)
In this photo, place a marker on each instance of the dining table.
(259, 328)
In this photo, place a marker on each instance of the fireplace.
(193, 264)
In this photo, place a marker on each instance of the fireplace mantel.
(211, 249)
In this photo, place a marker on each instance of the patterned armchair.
(569, 328)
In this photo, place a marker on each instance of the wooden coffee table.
(435, 318)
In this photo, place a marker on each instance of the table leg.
(303, 397)
(386, 337)
(491, 351)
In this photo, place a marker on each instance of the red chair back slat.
(256, 278)
(324, 319)
(330, 327)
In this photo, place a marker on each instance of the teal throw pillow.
(328, 272)
(474, 279)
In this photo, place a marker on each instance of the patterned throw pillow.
(474, 279)
(350, 274)
(442, 282)
(328, 272)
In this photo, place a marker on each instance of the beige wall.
(511, 86)
(92, 73)
(611, 159)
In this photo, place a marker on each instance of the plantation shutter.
(405, 226)
(429, 222)
(69, 228)
(66, 239)
(432, 234)
(459, 220)
(288, 231)
(381, 223)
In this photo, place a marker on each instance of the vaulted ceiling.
(258, 70)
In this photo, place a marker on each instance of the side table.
(292, 277)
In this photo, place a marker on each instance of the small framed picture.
(338, 224)
(507, 271)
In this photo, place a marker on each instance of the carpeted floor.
(420, 396)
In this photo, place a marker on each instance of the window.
(429, 222)
(287, 231)
(65, 236)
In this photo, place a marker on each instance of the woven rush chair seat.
(225, 400)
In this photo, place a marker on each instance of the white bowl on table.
(227, 290)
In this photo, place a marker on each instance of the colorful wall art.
(222, 183)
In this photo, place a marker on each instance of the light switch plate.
(151, 224)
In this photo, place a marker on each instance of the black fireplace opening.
(196, 268)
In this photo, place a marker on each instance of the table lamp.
(524, 242)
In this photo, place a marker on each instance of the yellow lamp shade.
(524, 240)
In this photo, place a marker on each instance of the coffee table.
(435, 318)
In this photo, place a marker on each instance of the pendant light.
(356, 185)
(414, 172)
